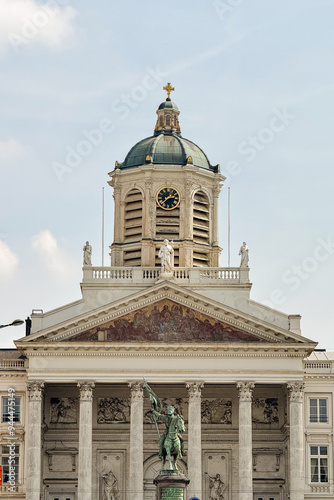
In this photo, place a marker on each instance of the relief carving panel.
(216, 411)
(111, 410)
(265, 411)
(111, 475)
(63, 410)
(217, 476)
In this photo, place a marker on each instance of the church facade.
(256, 399)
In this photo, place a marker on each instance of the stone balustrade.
(150, 275)
(12, 364)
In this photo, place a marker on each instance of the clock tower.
(166, 188)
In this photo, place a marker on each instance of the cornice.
(173, 292)
(182, 350)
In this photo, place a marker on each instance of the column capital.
(194, 389)
(245, 390)
(35, 390)
(296, 391)
(86, 390)
(137, 390)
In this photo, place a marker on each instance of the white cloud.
(10, 149)
(24, 22)
(54, 259)
(8, 261)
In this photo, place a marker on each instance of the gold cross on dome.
(168, 88)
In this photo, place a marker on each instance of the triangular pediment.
(166, 313)
(166, 321)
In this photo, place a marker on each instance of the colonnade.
(194, 458)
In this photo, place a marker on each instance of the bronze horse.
(171, 442)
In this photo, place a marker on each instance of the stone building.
(256, 400)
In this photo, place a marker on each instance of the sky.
(80, 84)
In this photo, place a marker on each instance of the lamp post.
(16, 322)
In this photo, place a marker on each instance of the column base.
(171, 485)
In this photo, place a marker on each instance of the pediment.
(166, 313)
(165, 321)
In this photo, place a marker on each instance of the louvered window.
(201, 229)
(201, 221)
(133, 227)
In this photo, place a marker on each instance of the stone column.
(136, 442)
(245, 441)
(194, 439)
(296, 466)
(34, 440)
(85, 440)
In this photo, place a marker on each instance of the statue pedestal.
(171, 485)
(166, 276)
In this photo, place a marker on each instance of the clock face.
(168, 198)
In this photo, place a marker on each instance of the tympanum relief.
(167, 321)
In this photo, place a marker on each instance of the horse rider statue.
(171, 441)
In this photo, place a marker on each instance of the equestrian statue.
(171, 441)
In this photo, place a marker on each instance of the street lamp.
(16, 322)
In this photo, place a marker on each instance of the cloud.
(10, 149)
(8, 261)
(54, 259)
(24, 22)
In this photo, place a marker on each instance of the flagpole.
(103, 227)
(229, 227)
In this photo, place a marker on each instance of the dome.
(168, 149)
(168, 104)
(166, 146)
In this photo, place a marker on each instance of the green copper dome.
(168, 104)
(166, 149)
(166, 146)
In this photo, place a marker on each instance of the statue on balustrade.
(87, 254)
(166, 254)
(171, 442)
(244, 252)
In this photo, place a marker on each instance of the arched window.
(168, 121)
